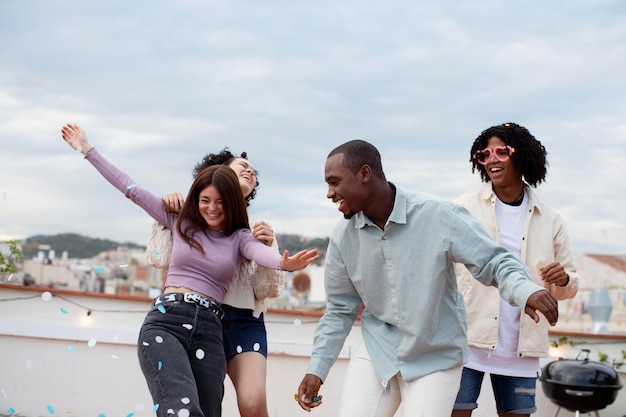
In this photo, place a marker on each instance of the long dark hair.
(190, 219)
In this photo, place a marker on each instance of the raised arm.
(76, 137)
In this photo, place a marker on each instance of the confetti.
(185, 400)
(161, 309)
(102, 415)
(10, 276)
(131, 186)
(188, 326)
(50, 409)
(297, 322)
(155, 408)
(72, 348)
(145, 343)
(160, 366)
(239, 349)
(256, 347)
(4, 394)
(99, 270)
(158, 339)
(11, 410)
(200, 354)
(46, 296)
(130, 414)
(124, 266)
(114, 357)
(183, 413)
(92, 342)
(64, 311)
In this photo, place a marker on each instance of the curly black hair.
(224, 157)
(529, 157)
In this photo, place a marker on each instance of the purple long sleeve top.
(209, 274)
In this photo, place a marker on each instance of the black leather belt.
(191, 298)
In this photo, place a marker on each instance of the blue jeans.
(182, 358)
(514, 395)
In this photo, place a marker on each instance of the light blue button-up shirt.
(414, 318)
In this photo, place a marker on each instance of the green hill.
(78, 246)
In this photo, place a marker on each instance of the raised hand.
(298, 261)
(174, 200)
(76, 138)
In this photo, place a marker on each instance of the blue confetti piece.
(160, 365)
(102, 415)
(131, 186)
(99, 270)
(64, 311)
(130, 414)
(50, 409)
(161, 309)
(11, 410)
(72, 348)
(155, 408)
(156, 252)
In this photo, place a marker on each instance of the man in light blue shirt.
(395, 253)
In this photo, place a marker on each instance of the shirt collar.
(398, 213)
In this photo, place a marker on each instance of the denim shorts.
(243, 332)
(515, 395)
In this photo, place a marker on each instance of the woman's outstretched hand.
(298, 261)
(76, 138)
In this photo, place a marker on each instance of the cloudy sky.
(158, 84)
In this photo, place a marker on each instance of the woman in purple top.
(180, 342)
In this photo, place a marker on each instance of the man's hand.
(554, 273)
(308, 396)
(544, 302)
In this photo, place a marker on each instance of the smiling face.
(245, 174)
(502, 174)
(211, 208)
(344, 187)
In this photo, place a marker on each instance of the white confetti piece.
(239, 349)
(188, 326)
(145, 343)
(185, 400)
(200, 354)
(4, 394)
(131, 186)
(256, 347)
(297, 322)
(183, 412)
(170, 411)
(114, 357)
(92, 342)
(46, 296)
(158, 339)
(124, 266)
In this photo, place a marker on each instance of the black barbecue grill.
(580, 385)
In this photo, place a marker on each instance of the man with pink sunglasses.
(502, 340)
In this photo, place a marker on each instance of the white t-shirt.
(504, 360)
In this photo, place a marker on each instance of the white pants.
(364, 396)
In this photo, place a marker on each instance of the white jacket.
(544, 240)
